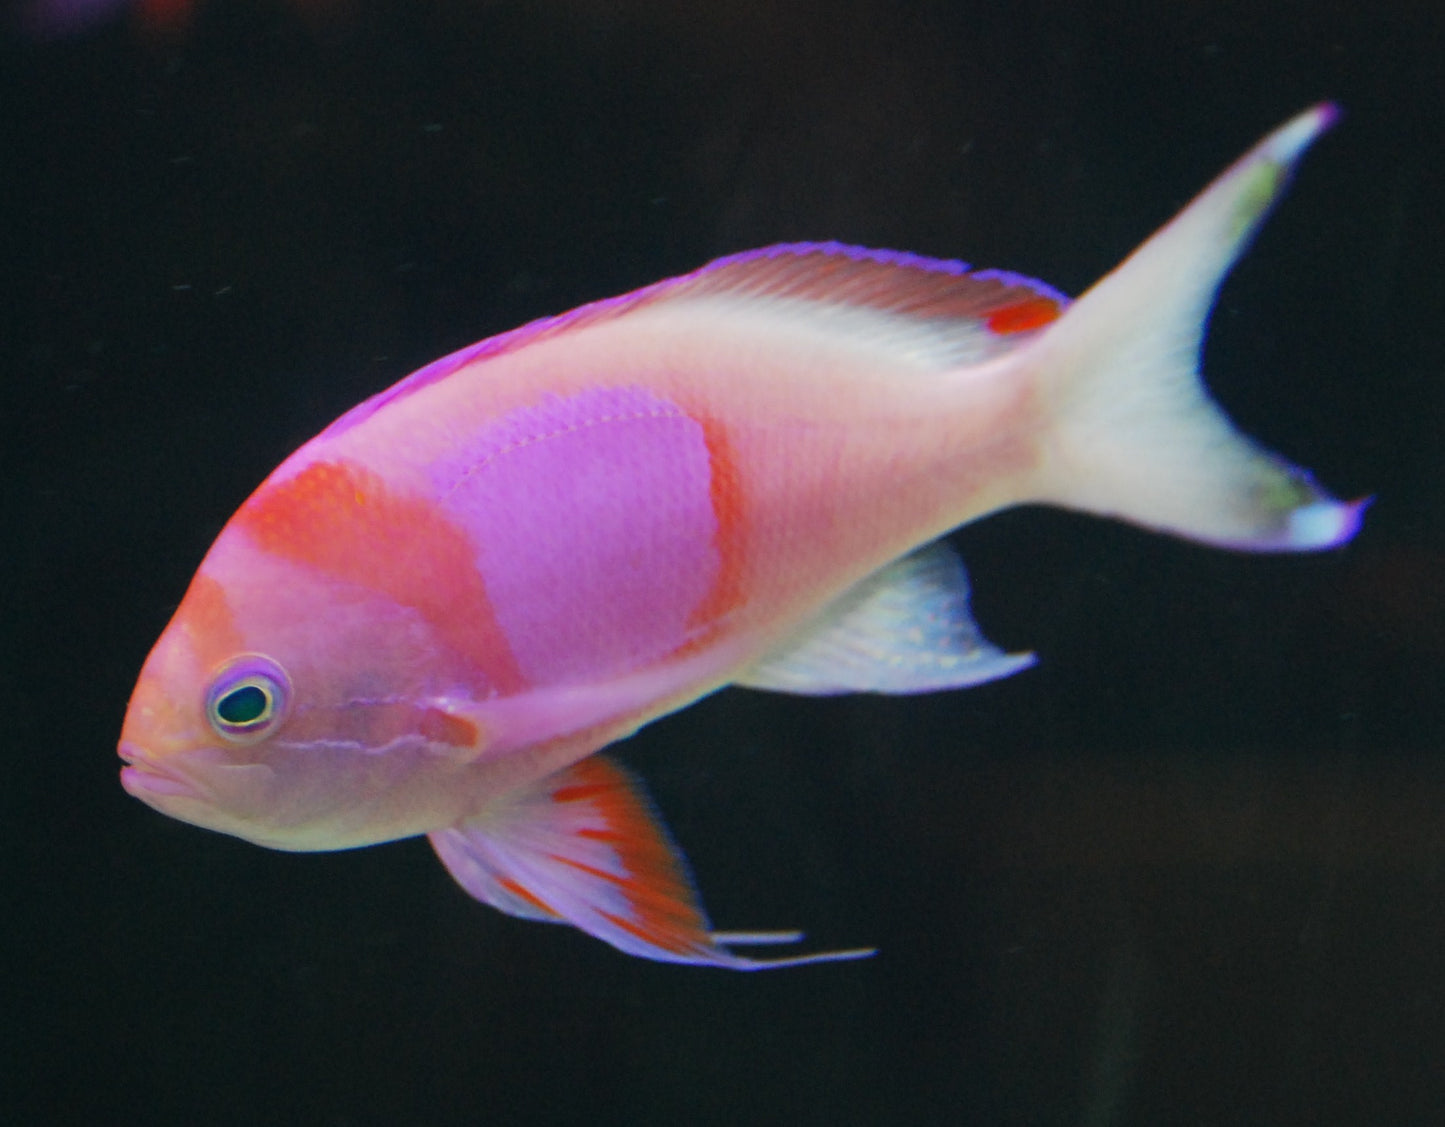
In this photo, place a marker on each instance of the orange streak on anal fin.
(583, 845)
(521, 893)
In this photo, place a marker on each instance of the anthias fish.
(431, 617)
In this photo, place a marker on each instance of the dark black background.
(1190, 870)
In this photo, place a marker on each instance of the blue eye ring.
(248, 698)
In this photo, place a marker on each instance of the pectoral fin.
(583, 847)
(904, 629)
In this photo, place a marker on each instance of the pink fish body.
(430, 617)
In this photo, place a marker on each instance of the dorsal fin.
(884, 281)
(967, 315)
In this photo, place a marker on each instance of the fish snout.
(142, 778)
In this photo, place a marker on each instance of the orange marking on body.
(443, 727)
(725, 491)
(344, 521)
(521, 893)
(1031, 313)
(209, 623)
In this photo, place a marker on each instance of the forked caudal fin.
(583, 847)
(1133, 433)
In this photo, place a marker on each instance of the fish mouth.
(142, 778)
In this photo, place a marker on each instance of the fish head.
(295, 711)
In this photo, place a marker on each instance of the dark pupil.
(245, 705)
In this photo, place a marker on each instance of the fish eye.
(247, 698)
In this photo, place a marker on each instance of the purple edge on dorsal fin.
(1009, 278)
(610, 307)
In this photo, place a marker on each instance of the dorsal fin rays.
(584, 847)
(904, 629)
(971, 315)
(881, 280)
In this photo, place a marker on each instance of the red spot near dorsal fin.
(344, 521)
(1031, 313)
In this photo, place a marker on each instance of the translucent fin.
(904, 629)
(583, 847)
(1137, 436)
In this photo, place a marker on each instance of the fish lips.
(201, 786)
(144, 779)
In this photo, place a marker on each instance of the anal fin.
(584, 847)
(904, 629)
